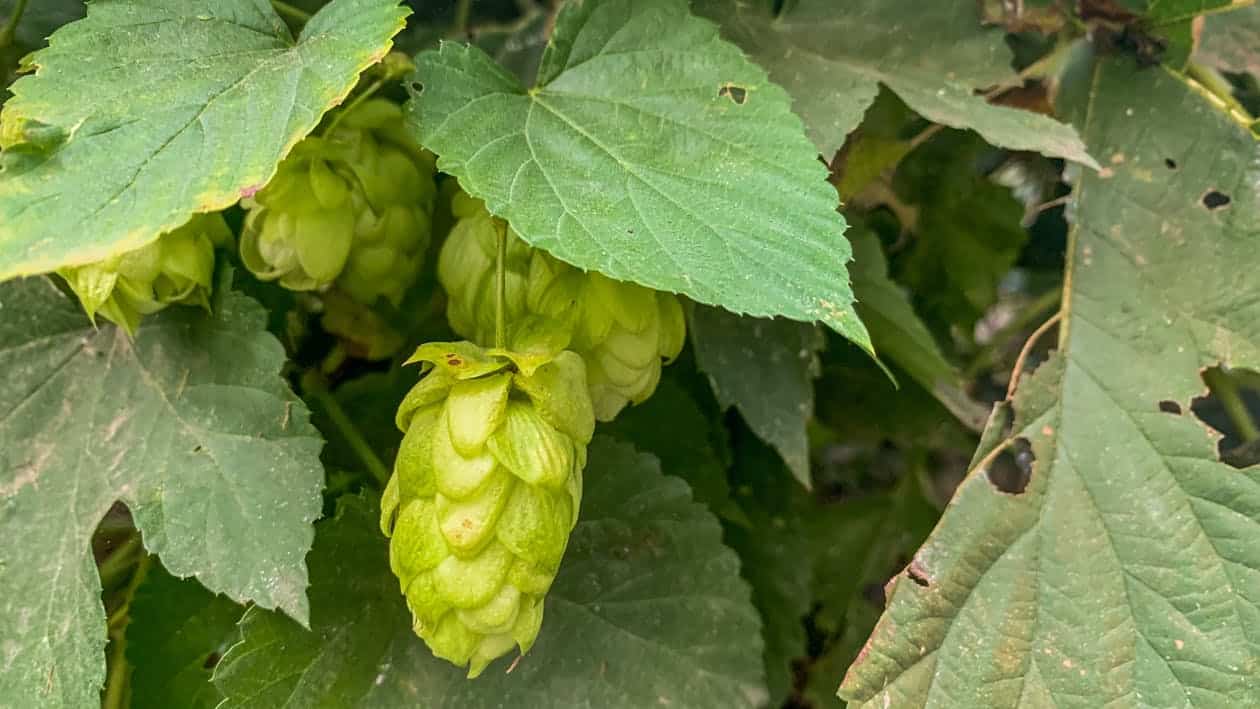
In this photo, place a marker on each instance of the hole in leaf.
(1232, 408)
(1170, 163)
(1215, 199)
(738, 94)
(1011, 470)
(417, 87)
(917, 574)
(1170, 407)
(212, 660)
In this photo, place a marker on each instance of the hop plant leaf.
(353, 206)
(622, 330)
(485, 491)
(177, 268)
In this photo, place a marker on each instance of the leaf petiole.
(500, 288)
(10, 27)
(314, 386)
(296, 14)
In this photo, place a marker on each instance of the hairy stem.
(500, 289)
(296, 14)
(10, 27)
(315, 387)
(1226, 390)
(119, 672)
(113, 569)
(459, 26)
(363, 96)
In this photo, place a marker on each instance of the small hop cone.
(176, 268)
(485, 491)
(352, 208)
(623, 331)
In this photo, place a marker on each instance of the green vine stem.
(1225, 387)
(113, 569)
(315, 387)
(116, 683)
(10, 28)
(296, 14)
(500, 288)
(459, 27)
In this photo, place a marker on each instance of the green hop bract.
(485, 491)
(622, 330)
(352, 206)
(178, 267)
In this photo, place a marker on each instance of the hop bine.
(178, 267)
(622, 330)
(485, 490)
(352, 207)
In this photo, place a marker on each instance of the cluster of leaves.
(189, 513)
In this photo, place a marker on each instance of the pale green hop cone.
(353, 207)
(178, 267)
(624, 331)
(485, 490)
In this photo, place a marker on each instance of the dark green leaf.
(1128, 519)
(766, 369)
(647, 610)
(189, 424)
(178, 631)
(933, 55)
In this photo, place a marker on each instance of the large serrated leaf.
(650, 150)
(142, 114)
(933, 55)
(189, 424)
(1125, 573)
(647, 610)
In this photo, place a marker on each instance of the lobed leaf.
(190, 425)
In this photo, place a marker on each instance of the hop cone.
(485, 491)
(176, 268)
(352, 207)
(622, 330)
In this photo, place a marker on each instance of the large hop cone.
(352, 207)
(485, 491)
(176, 268)
(622, 330)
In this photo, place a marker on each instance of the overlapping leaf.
(766, 369)
(647, 610)
(933, 55)
(177, 632)
(650, 150)
(189, 424)
(1125, 573)
(144, 113)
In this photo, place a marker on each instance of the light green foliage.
(643, 138)
(903, 44)
(648, 609)
(766, 369)
(623, 331)
(351, 206)
(140, 115)
(177, 268)
(1129, 520)
(188, 424)
(486, 488)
